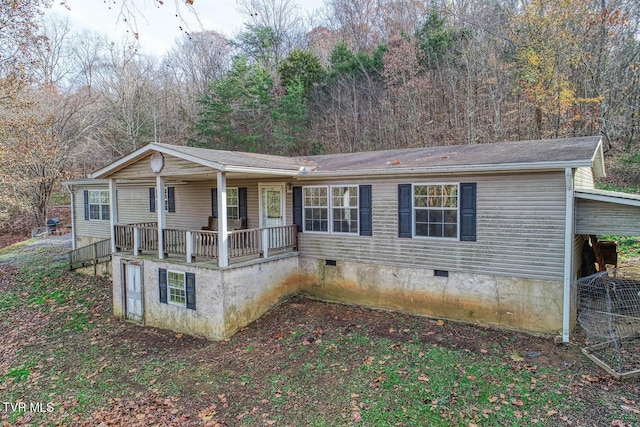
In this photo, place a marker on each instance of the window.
(169, 199)
(176, 285)
(348, 208)
(177, 288)
(337, 205)
(233, 205)
(344, 209)
(98, 204)
(436, 210)
(236, 202)
(316, 209)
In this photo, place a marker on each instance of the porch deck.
(202, 246)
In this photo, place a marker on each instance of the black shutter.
(242, 202)
(191, 290)
(86, 205)
(171, 199)
(366, 226)
(404, 211)
(297, 207)
(162, 284)
(468, 211)
(152, 199)
(214, 202)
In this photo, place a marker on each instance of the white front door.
(271, 206)
(133, 279)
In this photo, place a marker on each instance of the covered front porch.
(199, 206)
(204, 246)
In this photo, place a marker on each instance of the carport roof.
(609, 197)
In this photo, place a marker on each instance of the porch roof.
(490, 157)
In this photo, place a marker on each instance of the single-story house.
(205, 241)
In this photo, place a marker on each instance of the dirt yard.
(305, 363)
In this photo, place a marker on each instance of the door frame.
(125, 263)
(283, 202)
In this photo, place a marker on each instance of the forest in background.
(358, 75)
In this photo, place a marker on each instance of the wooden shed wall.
(520, 229)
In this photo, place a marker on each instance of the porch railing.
(124, 234)
(92, 254)
(202, 243)
(148, 239)
(175, 241)
(283, 237)
(205, 244)
(245, 242)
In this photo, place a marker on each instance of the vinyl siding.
(520, 230)
(594, 217)
(88, 228)
(584, 179)
(192, 202)
(173, 166)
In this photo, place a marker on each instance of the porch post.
(136, 241)
(162, 222)
(223, 238)
(189, 248)
(113, 212)
(265, 243)
(568, 254)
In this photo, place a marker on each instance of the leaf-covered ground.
(66, 361)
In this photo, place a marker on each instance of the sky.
(158, 27)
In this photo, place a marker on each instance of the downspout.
(568, 254)
(73, 216)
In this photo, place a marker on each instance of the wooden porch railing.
(283, 237)
(245, 242)
(92, 254)
(175, 241)
(204, 243)
(148, 239)
(124, 234)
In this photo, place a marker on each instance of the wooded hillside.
(357, 75)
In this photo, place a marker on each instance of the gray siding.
(594, 217)
(97, 229)
(192, 202)
(520, 230)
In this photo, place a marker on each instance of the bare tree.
(273, 28)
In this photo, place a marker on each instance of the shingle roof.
(237, 158)
(499, 154)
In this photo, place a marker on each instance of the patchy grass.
(305, 363)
